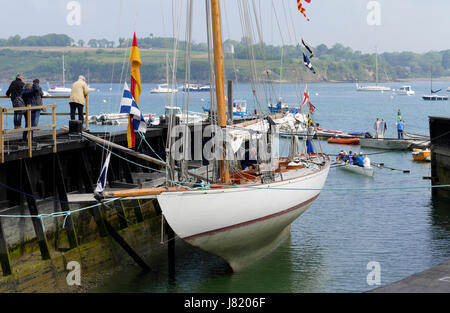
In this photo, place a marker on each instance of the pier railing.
(86, 114)
(29, 128)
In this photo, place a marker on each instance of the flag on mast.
(308, 63)
(302, 9)
(305, 98)
(128, 105)
(101, 181)
(135, 59)
(308, 48)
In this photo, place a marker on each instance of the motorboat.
(163, 88)
(405, 91)
(239, 108)
(195, 88)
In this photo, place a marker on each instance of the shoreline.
(402, 80)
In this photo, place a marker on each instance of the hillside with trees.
(103, 60)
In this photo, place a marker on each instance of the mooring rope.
(66, 214)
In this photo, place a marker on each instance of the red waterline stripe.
(253, 221)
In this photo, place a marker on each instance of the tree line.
(336, 63)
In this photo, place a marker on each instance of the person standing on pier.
(400, 129)
(376, 127)
(383, 128)
(399, 115)
(78, 97)
(14, 92)
(32, 95)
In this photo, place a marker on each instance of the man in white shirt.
(366, 161)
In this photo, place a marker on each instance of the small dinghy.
(345, 141)
(421, 155)
(365, 171)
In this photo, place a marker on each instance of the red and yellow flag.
(302, 9)
(135, 88)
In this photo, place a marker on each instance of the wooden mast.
(220, 83)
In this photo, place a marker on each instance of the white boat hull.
(373, 88)
(243, 224)
(365, 171)
(60, 90)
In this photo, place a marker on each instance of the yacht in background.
(62, 89)
(374, 87)
(433, 96)
(163, 88)
(195, 88)
(405, 91)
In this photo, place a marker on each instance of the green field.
(337, 63)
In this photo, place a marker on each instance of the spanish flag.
(135, 88)
(302, 9)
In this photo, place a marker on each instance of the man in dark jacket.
(14, 91)
(33, 97)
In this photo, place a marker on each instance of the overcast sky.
(406, 25)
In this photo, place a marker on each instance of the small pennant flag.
(302, 9)
(308, 63)
(101, 182)
(309, 120)
(308, 48)
(128, 105)
(312, 108)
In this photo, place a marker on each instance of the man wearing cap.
(14, 91)
(78, 97)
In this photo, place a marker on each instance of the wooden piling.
(5, 260)
(97, 214)
(29, 137)
(32, 207)
(61, 191)
(120, 211)
(138, 212)
(117, 238)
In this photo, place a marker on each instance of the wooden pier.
(38, 176)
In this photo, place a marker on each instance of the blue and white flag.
(128, 105)
(308, 63)
(101, 182)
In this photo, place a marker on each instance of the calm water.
(406, 231)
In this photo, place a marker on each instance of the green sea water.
(405, 230)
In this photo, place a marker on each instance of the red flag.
(309, 1)
(135, 59)
(305, 98)
(302, 9)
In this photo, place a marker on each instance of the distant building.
(228, 48)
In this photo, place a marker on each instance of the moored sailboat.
(245, 213)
